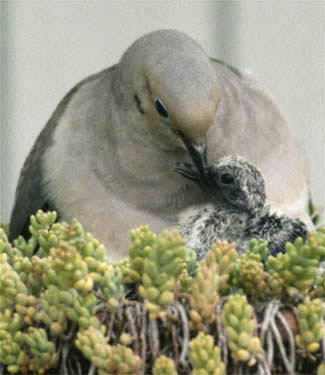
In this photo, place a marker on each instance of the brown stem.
(270, 348)
(71, 332)
(64, 355)
(222, 339)
(154, 338)
(283, 353)
(144, 338)
(268, 314)
(133, 329)
(175, 344)
(110, 326)
(186, 333)
(290, 337)
(92, 369)
(265, 366)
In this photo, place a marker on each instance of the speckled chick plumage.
(237, 211)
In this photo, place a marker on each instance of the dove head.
(170, 88)
(231, 181)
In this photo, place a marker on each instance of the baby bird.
(237, 211)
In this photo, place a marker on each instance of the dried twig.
(222, 339)
(110, 326)
(283, 353)
(79, 369)
(71, 332)
(64, 356)
(175, 345)
(186, 333)
(154, 337)
(265, 367)
(270, 348)
(268, 315)
(92, 369)
(144, 338)
(256, 322)
(100, 307)
(291, 339)
(134, 332)
(238, 368)
(138, 307)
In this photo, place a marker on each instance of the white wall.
(283, 42)
(47, 47)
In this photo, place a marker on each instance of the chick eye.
(227, 179)
(160, 107)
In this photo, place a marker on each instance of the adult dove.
(107, 154)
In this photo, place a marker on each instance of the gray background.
(47, 47)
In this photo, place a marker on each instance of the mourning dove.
(236, 211)
(107, 154)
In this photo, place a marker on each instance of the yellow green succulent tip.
(205, 356)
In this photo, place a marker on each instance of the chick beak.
(198, 154)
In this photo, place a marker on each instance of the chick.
(236, 211)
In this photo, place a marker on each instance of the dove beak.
(198, 154)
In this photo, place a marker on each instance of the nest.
(277, 326)
(65, 310)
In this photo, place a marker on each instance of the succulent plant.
(117, 359)
(78, 308)
(296, 267)
(5, 246)
(59, 284)
(237, 318)
(53, 308)
(43, 351)
(142, 240)
(5, 228)
(250, 275)
(39, 223)
(126, 339)
(310, 314)
(225, 255)
(319, 287)
(163, 263)
(10, 286)
(204, 294)
(12, 341)
(185, 281)
(259, 246)
(25, 352)
(164, 366)
(110, 282)
(316, 244)
(205, 356)
(274, 285)
(10, 255)
(66, 268)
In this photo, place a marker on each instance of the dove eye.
(227, 179)
(161, 108)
